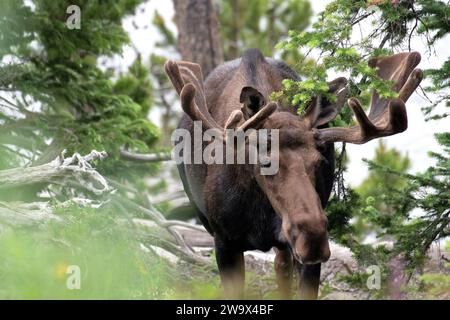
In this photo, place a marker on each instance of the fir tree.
(54, 95)
(376, 185)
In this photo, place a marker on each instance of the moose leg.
(309, 280)
(283, 269)
(231, 268)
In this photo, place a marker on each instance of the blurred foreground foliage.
(54, 96)
(112, 265)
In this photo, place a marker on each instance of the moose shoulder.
(246, 210)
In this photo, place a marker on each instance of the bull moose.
(244, 210)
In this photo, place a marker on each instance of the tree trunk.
(198, 33)
(236, 29)
(397, 279)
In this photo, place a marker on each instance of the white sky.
(416, 141)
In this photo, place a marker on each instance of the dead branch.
(193, 235)
(20, 213)
(77, 167)
(143, 157)
(16, 213)
(147, 234)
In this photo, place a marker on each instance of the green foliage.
(428, 191)
(136, 84)
(339, 213)
(109, 256)
(367, 256)
(375, 211)
(434, 20)
(164, 98)
(55, 96)
(392, 159)
(440, 84)
(435, 285)
(168, 38)
(58, 93)
(44, 21)
(196, 290)
(331, 37)
(386, 204)
(261, 24)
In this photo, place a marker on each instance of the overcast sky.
(415, 142)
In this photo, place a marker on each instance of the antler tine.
(394, 120)
(256, 120)
(191, 108)
(187, 78)
(173, 72)
(234, 118)
(387, 116)
(397, 68)
(366, 126)
(411, 85)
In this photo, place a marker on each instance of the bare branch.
(142, 157)
(16, 213)
(76, 166)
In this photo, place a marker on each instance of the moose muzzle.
(311, 248)
(308, 239)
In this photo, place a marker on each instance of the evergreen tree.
(55, 97)
(376, 185)
(428, 191)
(261, 24)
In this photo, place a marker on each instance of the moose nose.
(315, 257)
(312, 253)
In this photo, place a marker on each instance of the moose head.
(292, 191)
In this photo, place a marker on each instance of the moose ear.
(322, 111)
(252, 101)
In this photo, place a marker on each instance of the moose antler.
(187, 78)
(387, 116)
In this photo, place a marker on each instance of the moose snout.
(312, 253)
(311, 245)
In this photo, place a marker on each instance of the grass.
(112, 265)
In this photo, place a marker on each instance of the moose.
(244, 210)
